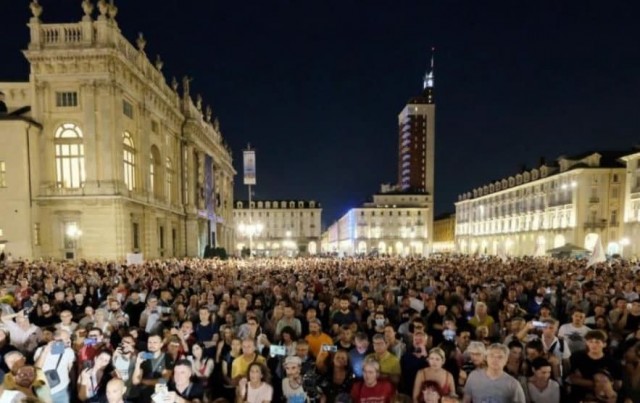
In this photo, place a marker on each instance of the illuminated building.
(399, 219)
(107, 158)
(278, 227)
(576, 200)
(444, 233)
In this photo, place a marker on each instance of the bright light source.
(625, 241)
(574, 184)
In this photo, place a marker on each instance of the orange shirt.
(316, 342)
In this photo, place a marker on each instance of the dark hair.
(596, 335)
(266, 374)
(289, 330)
(536, 345)
(539, 362)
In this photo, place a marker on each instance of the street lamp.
(250, 230)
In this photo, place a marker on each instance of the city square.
(253, 203)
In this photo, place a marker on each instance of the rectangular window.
(66, 99)
(3, 174)
(161, 240)
(136, 236)
(127, 109)
(174, 241)
(154, 126)
(36, 234)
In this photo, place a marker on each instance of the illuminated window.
(3, 174)
(169, 184)
(129, 156)
(69, 156)
(155, 182)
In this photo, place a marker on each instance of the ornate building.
(278, 227)
(578, 200)
(102, 157)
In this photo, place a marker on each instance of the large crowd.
(368, 330)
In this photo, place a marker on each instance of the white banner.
(249, 159)
(135, 258)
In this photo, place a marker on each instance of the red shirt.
(381, 392)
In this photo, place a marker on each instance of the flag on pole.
(598, 255)
(249, 159)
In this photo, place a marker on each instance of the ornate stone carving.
(199, 102)
(113, 10)
(216, 124)
(159, 63)
(103, 7)
(36, 9)
(87, 7)
(141, 42)
(207, 114)
(185, 85)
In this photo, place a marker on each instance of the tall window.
(3, 174)
(69, 156)
(169, 174)
(129, 155)
(155, 163)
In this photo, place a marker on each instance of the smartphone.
(57, 348)
(329, 348)
(90, 342)
(147, 355)
(279, 351)
(539, 325)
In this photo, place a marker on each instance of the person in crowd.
(434, 373)
(24, 335)
(92, 383)
(492, 383)
(56, 359)
(256, 386)
(201, 365)
(389, 364)
(575, 331)
(241, 364)
(540, 387)
(585, 364)
(358, 353)
(152, 366)
(371, 388)
(316, 337)
(181, 387)
(412, 362)
(124, 361)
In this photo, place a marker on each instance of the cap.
(292, 360)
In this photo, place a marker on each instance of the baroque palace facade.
(102, 157)
(580, 200)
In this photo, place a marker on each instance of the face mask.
(379, 322)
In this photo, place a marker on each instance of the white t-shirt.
(11, 396)
(264, 393)
(574, 336)
(68, 358)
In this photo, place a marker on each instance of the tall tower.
(416, 139)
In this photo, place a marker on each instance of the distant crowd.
(369, 330)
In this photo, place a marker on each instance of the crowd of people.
(367, 330)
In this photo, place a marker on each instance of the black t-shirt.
(410, 365)
(152, 369)
(193, 391)
(341, 318)
(632, 323)
(588, 367)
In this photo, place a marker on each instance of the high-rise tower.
(416, 139)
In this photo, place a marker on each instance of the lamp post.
(250, 230)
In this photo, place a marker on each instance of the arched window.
(69, 156)
(129, 156)
(155, 182)
(169, 189)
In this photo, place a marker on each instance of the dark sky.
(316, 85)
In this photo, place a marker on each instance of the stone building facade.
(102, 156)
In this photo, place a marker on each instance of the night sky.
(316, 85)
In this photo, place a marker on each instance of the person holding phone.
(92, 383)
(56, 359)
(151, 367)
(317, 338)
(124, 360)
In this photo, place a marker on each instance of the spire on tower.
(428, 77)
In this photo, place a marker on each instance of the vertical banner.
(249, 167)
(209, 187)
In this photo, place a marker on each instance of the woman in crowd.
(337, 373)
(228, 385)
(93, 380)
(256, 387)
(201, 365)
(435, 373)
